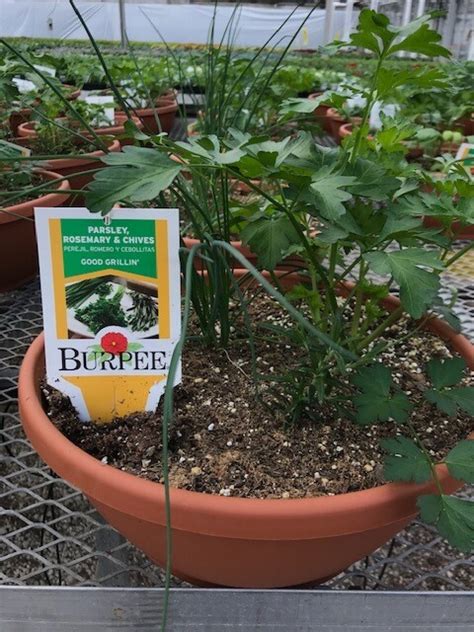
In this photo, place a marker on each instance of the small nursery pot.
(336, 122)
(18, 256)
(165, 110)
(345, 130)
(321, 112)
(240, 542)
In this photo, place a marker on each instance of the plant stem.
(394, 316)
(367, 109)
(359, 300)
(459, 254)
(419, 441)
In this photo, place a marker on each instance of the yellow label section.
(58, 278)
(110, 396)
(163, 278)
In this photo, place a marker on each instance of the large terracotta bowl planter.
(231, 541)
(18, 255)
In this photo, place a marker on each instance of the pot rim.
(242, 518)
(26, 209)
(62, 163)
(168, 108)
(27, 129)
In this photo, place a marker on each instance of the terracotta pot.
(449, 148)
(18, 256)
(27, 130)
(24, 115)
(232, 541)
(345, 130)
(320, 113)
(74, 168)
(165, 110)
(335, 120)
(466, 123)
(460, 231)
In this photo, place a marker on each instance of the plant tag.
(11, 150)
(46, 70)
(24, 85)
(375, 120)
(107, 116)
(465, 154)
(111, 304)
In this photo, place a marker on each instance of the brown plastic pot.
(223, 541)
(24, 115)
(18, 256)
(165, 110)
(321, 112)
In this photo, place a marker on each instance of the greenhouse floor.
(52, 537)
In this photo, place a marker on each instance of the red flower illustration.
(114, 342)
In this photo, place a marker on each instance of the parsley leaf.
(418, 287)
(444, 375)
(405, 461)
(269, 238)
(446, 372)
(460, 461)
(135, 173)
(453, 517)
(377, 402)
(329, 194)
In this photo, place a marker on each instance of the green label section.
(125, 245)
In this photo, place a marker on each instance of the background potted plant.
(22, 189)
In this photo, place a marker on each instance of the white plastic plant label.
(107, 117)
(111, 304)
(24, 85)
(387, 109)
(46, 70)
(465, 155)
